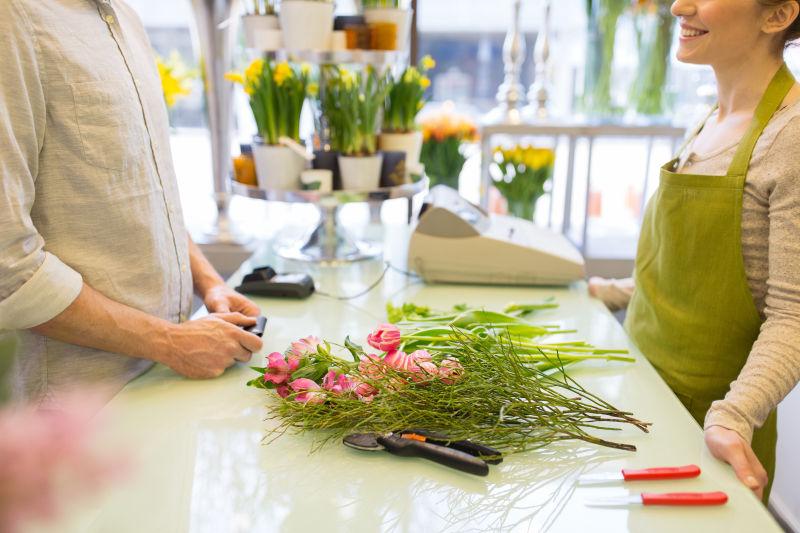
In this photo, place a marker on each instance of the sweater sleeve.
(773, 367)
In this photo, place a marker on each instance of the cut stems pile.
(470, 374)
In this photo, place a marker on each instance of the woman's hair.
(793, 31)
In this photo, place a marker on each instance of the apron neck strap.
(777, 90)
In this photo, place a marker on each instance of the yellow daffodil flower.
(428, 63)
(424, 82)
(235, 77)
(313, 89)
(254, 71)
(282, 72)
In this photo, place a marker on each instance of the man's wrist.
(161, 343)
(206, 282)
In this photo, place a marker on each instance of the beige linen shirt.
(87, 186)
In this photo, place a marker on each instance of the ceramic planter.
(399, 17)
(361, 173)
(259, 32)
(306, 25)
(277, 167)
(410, 143)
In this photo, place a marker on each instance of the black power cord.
(388, 266)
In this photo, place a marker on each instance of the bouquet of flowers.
(443, 135)
(176, 78)
(277, 92)
(351, 104)
(467, 373)
(520, 174)
(407, 97)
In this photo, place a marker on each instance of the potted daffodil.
(277, 91)
(352, 103)
(405, 99)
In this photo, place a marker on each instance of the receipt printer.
(457, 242)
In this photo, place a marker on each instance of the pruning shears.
(463, 455)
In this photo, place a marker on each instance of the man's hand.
(223, 299)
(204, 348)
(727, 445)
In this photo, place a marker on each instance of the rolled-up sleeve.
(35, 285)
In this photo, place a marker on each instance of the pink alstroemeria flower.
(386, 338)
(450, 371)
(408, 362)
(337, 383)
(304, 347)
(371, 366)
(279, 369)
(310, 391)
(365, 392)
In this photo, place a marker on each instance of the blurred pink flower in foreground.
(49, 461)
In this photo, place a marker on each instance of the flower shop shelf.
(379, 59)
(329, 242)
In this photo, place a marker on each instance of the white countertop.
(201, 466)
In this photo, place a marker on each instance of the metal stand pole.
(216, 24)
(538, 94)
(511, 92)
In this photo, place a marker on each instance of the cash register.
(455, 241)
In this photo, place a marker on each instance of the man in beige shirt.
(96, 267)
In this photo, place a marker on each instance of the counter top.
(201, 465)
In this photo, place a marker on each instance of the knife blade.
(642, 474)
(666, 498)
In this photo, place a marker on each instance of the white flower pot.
(399, 17)
(306, 25)
(360, 173)
(254, 25)
(410, 143)
(277, 167)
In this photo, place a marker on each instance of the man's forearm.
(95, 321)
(204, 275)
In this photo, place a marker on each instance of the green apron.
(692, 314)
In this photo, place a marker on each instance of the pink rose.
(450, 371)
(279, 369)
(386, 338)
(304, 347)
(337, 383)
(309, 391)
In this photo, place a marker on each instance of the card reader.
(264, 281)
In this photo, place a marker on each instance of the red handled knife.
(668, 498)
(644, 474)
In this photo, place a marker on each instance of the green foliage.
(443, 160)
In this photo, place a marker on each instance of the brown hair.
(793, 31)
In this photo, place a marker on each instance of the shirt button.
(183, 317)
(110, 19)
(183, 268)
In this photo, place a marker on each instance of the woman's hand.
(223, 299)
(727, 445)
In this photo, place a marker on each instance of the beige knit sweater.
(771, 250)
